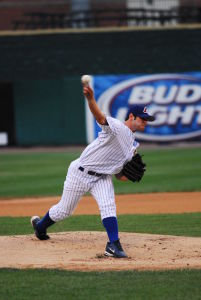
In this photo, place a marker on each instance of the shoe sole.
(33, 218)
(109, 254)
(113, 255)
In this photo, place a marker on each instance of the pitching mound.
(84, 251)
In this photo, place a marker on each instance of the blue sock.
(45, 222)
(111, 227)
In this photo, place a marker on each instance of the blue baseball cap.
(140, 111)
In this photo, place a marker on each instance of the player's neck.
(129, 125)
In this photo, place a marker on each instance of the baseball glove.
(135, 168)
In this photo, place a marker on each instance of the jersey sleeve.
(113, 126)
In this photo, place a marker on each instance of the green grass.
(188, 224)
(55, 284)
(167, 171)
(40, 174)
(32, 174)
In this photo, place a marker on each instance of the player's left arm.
(98, 114)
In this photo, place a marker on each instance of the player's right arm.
(98, 114)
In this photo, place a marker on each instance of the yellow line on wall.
(98, 30)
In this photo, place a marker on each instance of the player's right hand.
(88, 92)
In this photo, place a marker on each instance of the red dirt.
(155, 203)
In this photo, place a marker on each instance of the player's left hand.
(135, 168)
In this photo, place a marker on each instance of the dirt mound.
(84, 251)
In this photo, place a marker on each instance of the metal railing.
(42, 14)
(102, 18)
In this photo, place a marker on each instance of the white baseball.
(86, 79)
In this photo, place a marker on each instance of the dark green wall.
(45, 71)
(55, 56)
(49, 112)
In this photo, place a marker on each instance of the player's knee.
(108, 210)
(58, 214)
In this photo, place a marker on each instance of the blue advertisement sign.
(174, 99)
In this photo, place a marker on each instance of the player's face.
(140, 124)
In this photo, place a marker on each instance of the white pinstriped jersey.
(107, 154)
(113, 147)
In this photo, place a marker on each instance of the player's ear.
(131, 116)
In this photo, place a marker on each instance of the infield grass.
(55, 284)
(188, 224)
(43, 174)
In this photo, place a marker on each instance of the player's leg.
(74, 189)
(103, 192)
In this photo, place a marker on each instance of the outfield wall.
(49, 112)
(53, 56)
(45, 70)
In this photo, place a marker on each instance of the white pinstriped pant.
(76, 185)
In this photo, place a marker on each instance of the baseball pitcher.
(113, 152)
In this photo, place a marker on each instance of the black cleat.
(39, 235)
(115, 250)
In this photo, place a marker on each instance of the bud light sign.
(174, 100)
